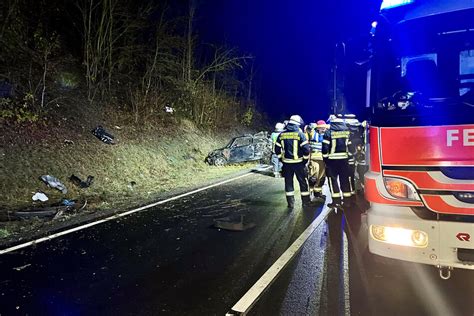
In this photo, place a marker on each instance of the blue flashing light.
(374, 24)
(388, 4)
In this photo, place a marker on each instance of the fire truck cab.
(420, 85)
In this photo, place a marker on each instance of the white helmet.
(296, 119)
(279, 127)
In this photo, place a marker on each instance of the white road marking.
(346, 280)
(78, 228)
(244, 305)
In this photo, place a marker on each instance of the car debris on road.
(233, 224)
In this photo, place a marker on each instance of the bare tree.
(107, 24)
(188, 64)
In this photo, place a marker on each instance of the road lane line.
(345, 277)
(249, 299)
(115, 216)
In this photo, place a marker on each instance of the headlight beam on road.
(245, 304)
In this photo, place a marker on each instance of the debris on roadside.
(39, 196)
(66, 202)
(68, 142)
(54, 183)
(41, 213)
(169, 109)
(82, 184)
(233, 224)
(103, 135)
(50, 212)
(131, 185)
(58, 214)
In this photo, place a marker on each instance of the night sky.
(293, 42)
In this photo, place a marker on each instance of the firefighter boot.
(291, 202)
(336, 203)
(349, 201)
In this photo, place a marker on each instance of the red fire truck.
(420, 86)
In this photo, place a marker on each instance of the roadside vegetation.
(137, 68)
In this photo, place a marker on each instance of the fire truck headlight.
(401, 189)
(399, 236)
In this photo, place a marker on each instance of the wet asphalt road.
(392, 287)
(165, 260)
(170, 260)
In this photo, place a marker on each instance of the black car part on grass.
(103, 135)
(242, 149)
(82, 184)
(45, 212)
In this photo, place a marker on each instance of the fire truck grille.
(466, 255)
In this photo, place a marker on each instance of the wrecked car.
(242, 149)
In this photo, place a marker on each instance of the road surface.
(170, 259)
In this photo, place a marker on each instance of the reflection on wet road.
(172, 260)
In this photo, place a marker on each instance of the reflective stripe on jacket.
(336, 141)
(292, 146)
(316, 141)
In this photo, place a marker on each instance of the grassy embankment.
(157, 160)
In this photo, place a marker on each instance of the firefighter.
(356, 137)
(336, 150)
(361, 163)
(279, 127)
(317, 171)
(292, 147)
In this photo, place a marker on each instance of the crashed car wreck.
(242, 149)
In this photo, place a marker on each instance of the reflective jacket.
(356, 131)
(274, 139)
(336, 141)
(292, 146)
(316, 145)
(316, 141)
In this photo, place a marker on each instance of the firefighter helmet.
(296, 119)
(321, 123)
(279, 127)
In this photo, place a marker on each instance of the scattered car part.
(40, 196)
(54, 183)
(233, 224)
(82, 184)
(103, 135)
(48, 212)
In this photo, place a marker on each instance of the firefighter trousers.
(289, 171)
(317, 175)
(277, 164)
(352, 170)
(338, 169)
